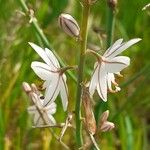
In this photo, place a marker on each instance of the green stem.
(84, 24)
(44, 39)
(110, 26)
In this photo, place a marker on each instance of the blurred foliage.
(129, 109)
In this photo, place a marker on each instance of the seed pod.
(69, 25)
(89, 116)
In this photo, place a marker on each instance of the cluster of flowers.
(103, 78)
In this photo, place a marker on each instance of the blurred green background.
(129, 109)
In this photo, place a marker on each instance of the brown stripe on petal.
(74, 23)
(71, 32)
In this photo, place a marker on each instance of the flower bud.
(69, 25)
(112, 3)
(104, 116)
(26, 87)
(107, 126)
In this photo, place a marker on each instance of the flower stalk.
(83, 44)
(110, 21)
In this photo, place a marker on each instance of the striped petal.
(113, 47)
(117, 64)
(94, 80)
(102, 82)
(41, 52)
(42, 70)
(52, 90)
(122, 47)
(64, 93)
(52, 58)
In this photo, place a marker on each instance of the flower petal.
(64, 93)
(116, 64)
(52, 90)
(122, 47)
(31, 109)
(94, 80)
(52, 58)
(36, 118)
(51, 120)
(113, 47)
(51, 109)
(42, 70)
(102, 82)
(41, 53)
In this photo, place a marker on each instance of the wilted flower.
(90, 121)
(42, 114)
(53, 76)
(107, 65)
(69, 25)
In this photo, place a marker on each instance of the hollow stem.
(43, 37)
(83, 42)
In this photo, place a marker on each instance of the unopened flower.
(110, 62)
(53, 76)
(104, 124)
(69, 25)
(107, 126)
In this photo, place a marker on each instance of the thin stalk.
(110, 26)
(43, 38)
(84, 25)
(94, 142)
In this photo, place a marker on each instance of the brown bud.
(89, 116)
(69, 25)
(112, 3)
(107, 126)
(104, 116)
(104, 124)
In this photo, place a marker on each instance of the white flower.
(42, 114)
(107, 65)
(54, 78)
